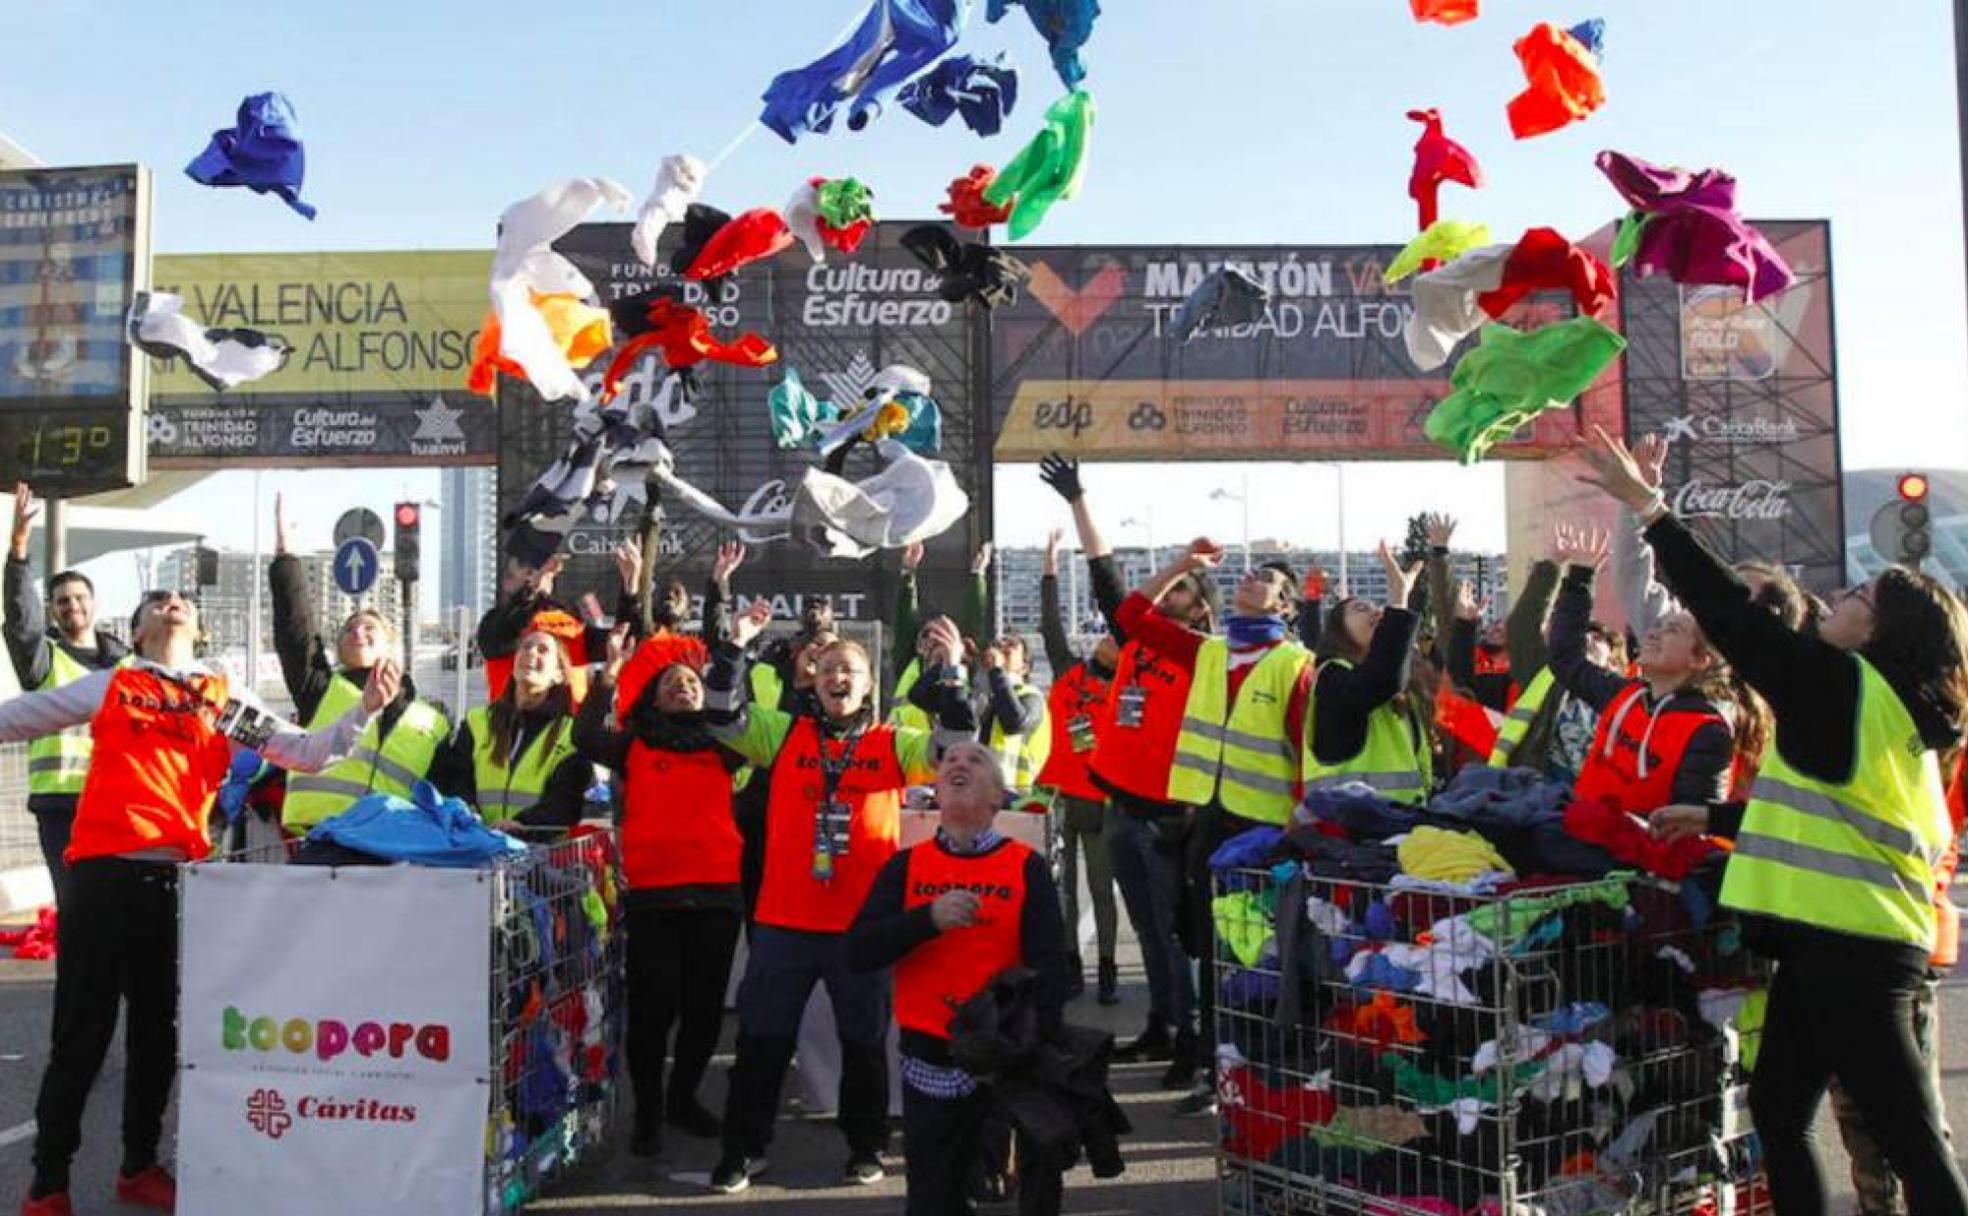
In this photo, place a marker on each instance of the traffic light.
(409, 543)
(1902, 530)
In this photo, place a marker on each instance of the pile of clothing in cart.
(1421, 1003)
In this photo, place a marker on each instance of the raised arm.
(305, 751)
(1640, 595)
(1109, 589)
(976, 613)
(754, 732)
(593, 737)
(717, 595)
(1052, 626)
(28, 644)
(1583, 551)
(908, 611)
(1524, 632)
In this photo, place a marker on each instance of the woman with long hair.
(1364, 725)
(1834, 868)
(680, 857)
(514, 759)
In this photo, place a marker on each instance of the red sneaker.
(152, 1187)
(56, 1204)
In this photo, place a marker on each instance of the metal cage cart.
(456, 1029)
(1560, 1050)
(558, 1011)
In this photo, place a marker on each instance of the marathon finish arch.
(1084, 363)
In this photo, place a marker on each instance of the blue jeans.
(1148, 871)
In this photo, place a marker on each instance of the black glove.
(1063, 476)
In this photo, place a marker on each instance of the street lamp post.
(1222, 495)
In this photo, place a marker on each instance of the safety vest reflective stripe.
(387, 767)
(1393, 759)
(508, 785)
(393, 766)
(1824, 861)
(1824, 806)
(63, 762)
(1517, 723)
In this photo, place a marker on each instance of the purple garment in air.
(262, 152)
(1691, 232)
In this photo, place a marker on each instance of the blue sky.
(1235, 120)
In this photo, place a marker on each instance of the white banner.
(335, 1040)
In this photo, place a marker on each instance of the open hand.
(751, 622)
(1063, 475)
(385, 681)
(730, 556)
(1611, 467)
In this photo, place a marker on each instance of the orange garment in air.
(684, 337)
(790, 897)
(581, 330)
(158, 763)
(955, 965)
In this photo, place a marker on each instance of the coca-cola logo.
(1756, 499)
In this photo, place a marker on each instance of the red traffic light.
(1913, 486)
(407, 514)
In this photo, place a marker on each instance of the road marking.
(17, 1133)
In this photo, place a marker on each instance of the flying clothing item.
(894, 41)
(1441, 241)
(1047, 170)
(756, 235)
(684, 337)
(831, 212)
(983, 92)
(910, 499)
(1686, 227)
(1227, 297)
(897, 405)
(1513, 377)
(966, 205)
(261, 151)
(1064, 24)
(222, 358)
(679, 180)
(966, 270)
(1561, 69)
(1437, 159)
(524, 266)
(1452, 301)
(609, 446)
(580, 331)
(1445, 12)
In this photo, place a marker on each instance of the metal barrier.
(1559, 1050)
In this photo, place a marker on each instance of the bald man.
(949, 915)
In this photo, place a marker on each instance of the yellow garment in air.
(581, 331)
(1445, 856)
(1441, 241)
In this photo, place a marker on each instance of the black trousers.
(1849, 1014)
(942, 1146)
(53, 821)
(679, 963)
(116, 943)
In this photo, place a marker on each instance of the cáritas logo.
(267, 1111)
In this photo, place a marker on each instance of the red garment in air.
(1438, 159)
(847, 239)
(1259, 1120)
(685, 338)
(1545, 261)
(967, 207)
(1445, 12)
(1563, 82)
(752, 237)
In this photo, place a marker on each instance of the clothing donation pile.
(1488, 1004)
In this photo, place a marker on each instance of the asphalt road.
(1170, 1163)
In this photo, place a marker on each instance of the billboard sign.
(74, 249)
(381, 343)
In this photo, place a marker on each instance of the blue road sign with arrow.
(356, 565)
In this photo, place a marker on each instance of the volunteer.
(1013, 713)
(680, 856)
(1363, 726)
(1134, 749)
(165, 729)
(834, 820)
(950, 915)
(529, 607)
(1834, 864)
(1080, 688)
(514, 760)
(396, 752)
(47, 657)
(1661, 738)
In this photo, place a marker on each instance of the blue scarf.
(1245, 632)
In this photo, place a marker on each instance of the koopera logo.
(266, 1113)
(1077, 310)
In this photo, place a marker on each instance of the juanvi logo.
(1762, 429)
(1756, 499)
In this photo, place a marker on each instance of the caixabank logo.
(270, 1114)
